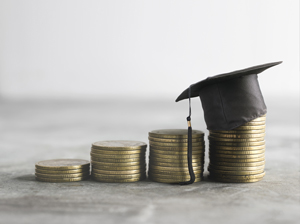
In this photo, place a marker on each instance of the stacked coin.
(118, 161)
(238, 155)
(62, 170)
(168, 155)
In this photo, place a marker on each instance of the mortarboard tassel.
(189, 155)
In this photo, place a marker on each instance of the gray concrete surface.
(37, 130)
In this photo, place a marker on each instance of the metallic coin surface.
(218, 159)
(43, 171)
(240, 177)
(254, 123)
(215, 139)
(238, 164)
(175, 161)
(121, 161)
(61, 176)
(262, 118)
(176, 164)
(258, 127)
(118, 164)
(179, 157)
(168, 168)
(178, 144)
(63, 164)
(234, 148)
(110, 180)
(118, 168)
(235, 152)
(174, 173)
(62, 179)
(217, 168)
(234, 181)
(115, 152)
(139, 155)
(171, 181)
(118, 172)
(231, 156)
(236, 144)
(258, 131)
(118, 176)
(172, 149)
(175, 133)
(173, 177)
(194, 152)
(235, 172)
(220, 135)
(175, 140)
(119, 145)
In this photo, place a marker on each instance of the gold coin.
(240, 177)
(61, 176)
(178, 144)
(175, 161)
(254, 123)
(168, 168)
(176, 164)
(263, 118)
(219, 135)
(194, 152)
(235, 172)
(174, 140)
(115, 152)
(175, 133)
(215, 139)
(235, 168)
(172, 149)
(62, 179)
(139, 155)
(118, 176)
(258, 127)
(110, 180)
(179, 157)
(171, 181)
(237, 144)
(61, 171)
(180, 178)
(238, 164)
(119, 145)
(118, 164)
(122, 161)
(231, 156)
(240, 132)
(174, 173)
(118, 172)
(218, 159)
(234, 148)
(63, 164)
(118, 168)
(235, 152)
(234, 181)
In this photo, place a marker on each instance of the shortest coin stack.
(238, 155)
(62, 170)
(118, 161)
(168, 161)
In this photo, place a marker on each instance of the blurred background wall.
(68, 49)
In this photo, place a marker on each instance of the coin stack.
(118, 161)
(168, 155)
(238, 155)
(62, 170)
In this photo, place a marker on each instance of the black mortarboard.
(229, 100)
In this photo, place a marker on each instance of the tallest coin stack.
(238, 155)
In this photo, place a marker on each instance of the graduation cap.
(229, 100)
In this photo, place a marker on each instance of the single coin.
(218, 159)
(174, 173)
(43, 171)
(110, 180)
(139, 155)
(63, 164)
(247, 136)
(118, 164)
(172, 149)
(235, 152)
(194, 152)
(176, 164)
(236, 144)
(234, 148)
(61, 176)
(238, 164)
(175, 133)
(254, 123)
(118, 172)
(241, 132)
(230, 156)
(240, 177)
(180, 157)
(118, 176)
(168, 168)
(62, 179)
(234, 168)
(234, 181)
(263, 118)
(175, 140)
(115, 152)
(235, 172)
(173, 177)
(118, 168)
(215, 139)
(178, 144)
(119, 145)
(231, 170)
(171, 181)
(250, 127)
(123, 161)
(175, 161)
